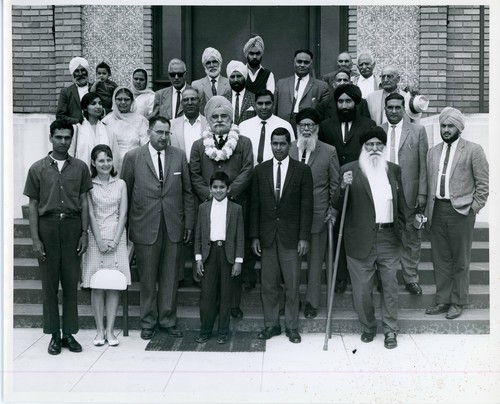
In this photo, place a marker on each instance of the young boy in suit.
(219, 248)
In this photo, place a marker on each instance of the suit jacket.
(324, 165)
(148, 199)
(374, 101)
(235, 236)
(315, 92)
(328, 109)
(68, 104)
(359, 229)
(163, 103)
(238, 167)
(412, 155)
(204, 87)
(247, 106)
(329, 78)
(469, 177)
(330, 132)
(291, 218)
(177, 129)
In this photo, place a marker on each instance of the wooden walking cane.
(333, 277)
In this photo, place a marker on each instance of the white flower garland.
(227, 150)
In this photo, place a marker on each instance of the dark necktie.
(160, 168)
(392, 151)
(304, 154)
(237, 109)
(177, 105)
(295, 95)
(221, 142)
(346, 131)
(278, 183)
(262, 142)
(214, 90)
(442, 191)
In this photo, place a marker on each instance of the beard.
(346, 115)
(451, 139)
(254, 62)
(213, 75)
(307, 143)
(373, 164)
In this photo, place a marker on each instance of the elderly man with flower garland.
(223, 148)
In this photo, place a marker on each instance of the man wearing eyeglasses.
(161, 218)
(374, 220)
(168, 101)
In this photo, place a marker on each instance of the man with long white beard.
(324, 163)
(375, 217)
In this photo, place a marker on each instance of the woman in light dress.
(144, 97)
(129, 128)
(91, 131)
(107, 240)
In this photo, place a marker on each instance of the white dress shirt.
(82, 90)
(154, 157)
(382, 198)
(191, 134)
(448, 170)
(284, 169)
(251, 128)
(302, 86)
(367, 86)
(270, 80)
(342, 128)
(398, 129)
(301, 151)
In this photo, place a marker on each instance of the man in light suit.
(324, 163)
(457, 190)
(243, 101)
(408, 148)
(366, 81)
(389, 80)
(188, 128)
(167, 101)
(68, 104)
(161, 217)
(282, 210)
(374, 219)
(213, 83)
(301, 90)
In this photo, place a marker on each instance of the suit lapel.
(149, 160)
(168, 163)
(456, 157)
(404, 134)
(313, 155)
(352, 131)
(74, 91)
(270, 176)
(207, 87)
(310, 85)
(289, 173)
(365, 183)
(434, 169)
(291, 88)
(229, 213)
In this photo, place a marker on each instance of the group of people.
(236, 168)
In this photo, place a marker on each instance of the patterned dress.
(106, 201)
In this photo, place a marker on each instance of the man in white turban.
(68, 105)
(457, 188)
(258, 77)
(213, 83)
(243, 101)
(222, 148)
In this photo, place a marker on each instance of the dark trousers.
(315, 259)
(451, 244)
(342, 273)
(385, 256)
(216, 290)
(60, 239)
(411, 241)
(279, 261)
(158, 262)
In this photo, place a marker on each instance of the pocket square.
(250, 109)
(177, 173)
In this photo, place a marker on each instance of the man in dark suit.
(301, 90)
(457, 190)
(324, 163)
(344, 64)
(161, 217)
(374, 219)
(281, 211)
(168, 100)
(343, 132)
(243, 101)
(223, 148)
(68, 105)
(408, 148)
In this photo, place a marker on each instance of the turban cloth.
(238, 66)
(211, 53)
(75, 62)
(351, 90)
(377, 132)
(307, 113)
(218, 101)
(255, 41)
(453, 116)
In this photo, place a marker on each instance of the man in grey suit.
(324, 163)
(161, 217)
(167, 101)
(407, 145)
(300, 90)
(457, 189)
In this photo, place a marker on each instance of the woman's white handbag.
(108, 278)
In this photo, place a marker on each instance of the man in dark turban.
(343, 132)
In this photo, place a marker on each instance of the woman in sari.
(144, 97)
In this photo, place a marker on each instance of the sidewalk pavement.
(428, 368)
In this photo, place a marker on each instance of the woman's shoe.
(112, 341)
(99, 342)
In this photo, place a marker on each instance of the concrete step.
(27, 268)
(343, 320)
(30, 292)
